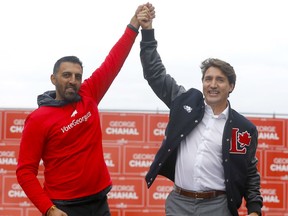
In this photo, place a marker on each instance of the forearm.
(101, 79)
(164, 86)
(254, 200)
(33, 189)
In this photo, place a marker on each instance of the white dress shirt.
(199, 161)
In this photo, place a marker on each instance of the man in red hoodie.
(65, 133)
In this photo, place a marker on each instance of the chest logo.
(239, 141)
(187, 108)
(74, 113)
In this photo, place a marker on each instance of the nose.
(213, 83)
(72, 79)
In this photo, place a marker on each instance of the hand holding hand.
(146, 15)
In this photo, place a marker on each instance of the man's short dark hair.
(225, 67)
(72, 59)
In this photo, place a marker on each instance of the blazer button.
(160, 164)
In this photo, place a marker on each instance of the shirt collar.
(209, 111)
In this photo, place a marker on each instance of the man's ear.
(53, 79)
(231, 88)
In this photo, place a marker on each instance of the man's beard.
(71, 97)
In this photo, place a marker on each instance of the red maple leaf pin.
(244, 138)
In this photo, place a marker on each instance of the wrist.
(134, 22)
(52, 208)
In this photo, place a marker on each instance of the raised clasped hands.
(145, 15)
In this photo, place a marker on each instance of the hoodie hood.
(48, 99)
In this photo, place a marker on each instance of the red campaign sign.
(9, 211)
(274, 195)
(158, 192)
(126, 192)
(1, 188)
(286, 134)
(137, 159)
(271, 132)
(33, 212)
(143, 212)
(156, 127)
(278, 213)
(115, 212)
(12, 191)
(276, 164)
(112, 155)
(14, 124)
(8, 158)
(1, 125)
(123, 127)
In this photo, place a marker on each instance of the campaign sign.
(122, 127)
(115, 212)
(12, 191)
(14, 124)
(271, 132)
(157, 124)
(8, 158)
(281, 213)
(9, 211)
(1, 125)
(126, 192)
(158, 192)
(112, 155)
(143, 212)
(276, 164)
(33, 212)
(137, 159)
(274, 195)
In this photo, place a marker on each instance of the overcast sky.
(252, 35)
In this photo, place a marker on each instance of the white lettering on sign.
(270, 199)
(140, 163)
(268, 136)
(123, 195)
(7, 153)
(266, 129)
(109, 163)
(160, 196)
(107, 155)
(8, 161)
(279, 165)
(130, 124)
(16, 192)
(122, 131)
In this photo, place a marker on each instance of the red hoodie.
(68, 138)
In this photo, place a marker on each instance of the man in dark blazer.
(209, 148)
